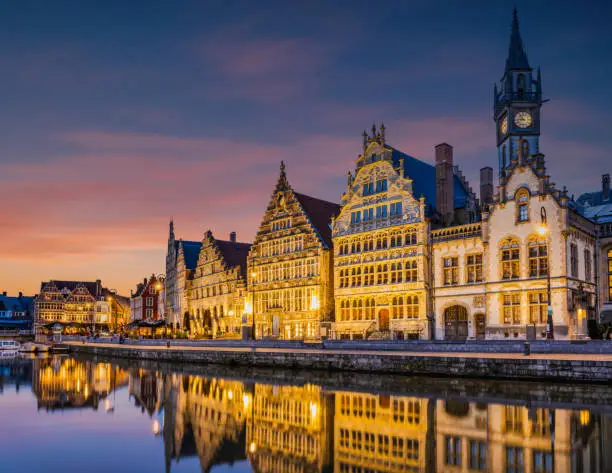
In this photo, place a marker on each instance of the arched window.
(520, 85)
(538, 257)
(522, 205)
(510, 258)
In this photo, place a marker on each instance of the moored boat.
(9, 345)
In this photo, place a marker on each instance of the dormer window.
(368, 188)
(522, 209)
(381, 185)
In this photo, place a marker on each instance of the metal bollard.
(527, 349)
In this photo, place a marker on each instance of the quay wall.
(454, 365)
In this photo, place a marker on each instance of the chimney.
(20, 294)
(605, 186)
(486, 185)
(444, 183)
(4, 293)
(233, 237)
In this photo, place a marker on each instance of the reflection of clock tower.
(517, 105)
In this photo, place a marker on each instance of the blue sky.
(117, 115)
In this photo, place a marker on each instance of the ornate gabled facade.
(290, 266)
(181, 261)
(218, 287)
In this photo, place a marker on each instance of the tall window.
(610, 275)
(478, 455)
(512, 308)
(538, 258)
(510, 256)
(397, 307)
(381, 185)
(538, 307)
(451, 271)
(542, 461)
(410, 237)
(396, 208)
(370, 307)
(587, 265)
(574, 260)
(368, 276)
(396, 273)
(515, 460)
(520, 85)
(474, 268)
(411, 271)
(452, 454)
(513, 418)
(522, 202)
(412, 307)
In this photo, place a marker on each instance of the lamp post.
(544, 231)
(253, 276)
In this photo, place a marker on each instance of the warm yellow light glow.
(109, 298)
(107, 405)
(156, 427)
(245, 401)
(314, 302)
(230, 395)
(231, 313)
(253, 274)
(585, 417)
(542, 230)
(313, 409)
(158, 286)
(252, 447)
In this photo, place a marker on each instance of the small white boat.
(28, 347)
(9, 345)
(9, 353)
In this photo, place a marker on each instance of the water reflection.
(245, 424)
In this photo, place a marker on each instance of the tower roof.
(517, 57)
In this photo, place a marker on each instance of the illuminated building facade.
(288, 429)
(145, 302)
(181, 262)
(375, 432)
(79, 305)
(218, 287)
(290, 266)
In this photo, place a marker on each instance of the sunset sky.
(118, 115)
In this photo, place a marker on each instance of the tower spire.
(171, 234)
(517, 57)
(282, 184)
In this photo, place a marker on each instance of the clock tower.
(517, 104)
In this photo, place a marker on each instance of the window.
(474, 268)
(520, 85)
(574, 260)
(451, 271)
(478, 455)
(370, 307)
(368, 214)
(149, 301)
(522, 199)
(381, 211)
(368, 276)
(412, 307)
(510, 256)
(515, 460)
(513, 416)
(525, 149)
(410, 237)
(368, 188)
(397, 307)
(610, 275)
(356, 217)
(538, 258)
(381, 185)
(538, 307)
(382, 274)
(396, 273)
(411, 271)
(587, 265)
(149, 313)
(542, 462)
(512, 308)
(452, 454)
(396, 208)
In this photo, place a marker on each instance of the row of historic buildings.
(411, 251)
(79, 306)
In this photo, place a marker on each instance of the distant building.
(147, 302)
(79, 305)
(181, 262)
(218, 287)
(16, 313)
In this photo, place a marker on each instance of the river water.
(63, 414)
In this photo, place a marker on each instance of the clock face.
(503, 126)
(523, 119)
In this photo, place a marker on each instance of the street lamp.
(543, 230)
(253, 276)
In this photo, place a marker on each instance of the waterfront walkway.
(584, 367)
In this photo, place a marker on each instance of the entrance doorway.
(383, 320)
(479, 322)
(455, 323)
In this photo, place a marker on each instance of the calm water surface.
(62, 414)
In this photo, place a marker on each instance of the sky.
(117, 116)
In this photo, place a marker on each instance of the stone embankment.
(579, 365)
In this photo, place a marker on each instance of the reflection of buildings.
(381, 433)
(289, 428)
(146, 388)
(203, 417)
(65, 383)
(15, 372)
